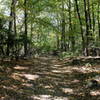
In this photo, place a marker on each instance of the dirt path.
(47, 79)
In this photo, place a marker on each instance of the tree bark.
(10, 29)
(80, 21)
(14, 16)
(99, 18)
(89, 14)
(71, 28)
(93, 17)
(87, 28)
(63, 36)
(25, 23)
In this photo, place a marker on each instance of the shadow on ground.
(47, 79)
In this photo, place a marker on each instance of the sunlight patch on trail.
(28, 85)
(48, 97)
(41, 97)
(16, 76)
(61, 70)
(75, 81)
(19, 76)
(68, 90)
(57, 65)
(43, 63)
(31, 77)
(85, 69)
(20, 67)
(56, 71)
(95, 93)
(48, 87)
(13, 87)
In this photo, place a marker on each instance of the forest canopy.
(38, 26)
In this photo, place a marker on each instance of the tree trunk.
(63, 36)
(87, 28)
(15, 31)
(10, 29)
(89, 14)
(71, 37)
(93, 17)
(99, 18)
(14, 15)
(80, 21)
(25, 22)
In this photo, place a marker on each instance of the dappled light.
(57, 65)
(16, 76)
(56, 71)
(48, 87)
(95, 93)
(31, 77)
(19, 76)
(75, 81)
(68, 90)
(49, 79)
(20, 68)
(49, 97)
(85, 69)
(49, 50)
(10, 87)
(42, 97)
(62, 71)
(27, 85)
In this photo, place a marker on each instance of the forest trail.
(47, 78)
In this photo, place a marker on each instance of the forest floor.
(49, 78)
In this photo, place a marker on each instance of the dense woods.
(71, 26)
(49, 48)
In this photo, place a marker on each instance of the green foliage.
(45, 19)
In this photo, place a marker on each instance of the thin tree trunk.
(57, 36)
(89, 14)
(31, 35)
(87, 28)
(57, 39)
(14, 15)
(25, 22)
(99, 18)
(80, 21)
(63, 37)
(15, 31)
(90, 21)
(10, 29)
(71, 28)
(93, 17)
